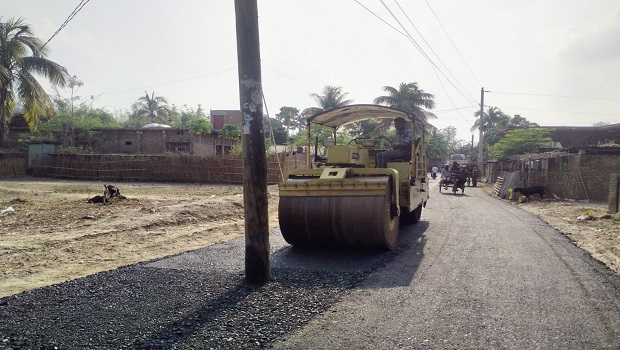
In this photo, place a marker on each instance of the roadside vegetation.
(68, 119)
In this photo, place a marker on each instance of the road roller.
(342, 198)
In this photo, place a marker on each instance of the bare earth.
(54, 235)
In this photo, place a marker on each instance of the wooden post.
(257, 264)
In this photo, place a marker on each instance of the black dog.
(111, 191)
(539, 190)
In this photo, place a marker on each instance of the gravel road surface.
(474, 274)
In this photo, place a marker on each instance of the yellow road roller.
(343, 199)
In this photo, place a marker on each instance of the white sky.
(185, 50)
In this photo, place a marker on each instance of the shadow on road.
(199, 299)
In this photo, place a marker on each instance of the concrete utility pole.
(480, 128)
(257, 264)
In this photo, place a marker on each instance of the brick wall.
(596, 168)
(584, 136)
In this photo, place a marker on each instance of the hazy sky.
(554, 62)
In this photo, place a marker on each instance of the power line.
(431, 48)
(551, 110)
(77, 9)
(453, 45)
(169, 83)
(563, 96)
(292, 77)
(381, 19)
(419, 48)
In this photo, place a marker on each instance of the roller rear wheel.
(345, 221)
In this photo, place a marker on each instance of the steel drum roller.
(340, 218)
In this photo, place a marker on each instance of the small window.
(127, 143)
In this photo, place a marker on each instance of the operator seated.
(402, 147)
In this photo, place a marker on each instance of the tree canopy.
(332, 97)
(520, 141)
(22, 58)
(152, 109)
(410, 98)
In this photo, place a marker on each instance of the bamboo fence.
(13, 164)
(158, 168)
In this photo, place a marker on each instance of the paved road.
(481, 274)
(475, 273)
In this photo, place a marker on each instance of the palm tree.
(153, 108)
(21, 57)
(492, 117)
(410, 98)
(332, 98)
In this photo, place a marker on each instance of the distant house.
(151, 138)
(159, 138)
(566, 137)
(579, 136)
(579, 168)
(159, 141)
(221, 117)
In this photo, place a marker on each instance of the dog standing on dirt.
(111, 191)
(527, 192)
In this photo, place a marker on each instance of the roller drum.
(344, 221)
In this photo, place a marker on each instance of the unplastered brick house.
(581, 166)
(158, 138)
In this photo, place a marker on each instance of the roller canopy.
(348, 114)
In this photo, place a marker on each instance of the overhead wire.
(434, 69)
(452, 42)
(431, 48)
(75, 11)
(416, 45)
(170, 82)
(563, 96)
(433, 65)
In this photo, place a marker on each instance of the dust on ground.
(54, 235)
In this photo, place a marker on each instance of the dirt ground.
(54, 235)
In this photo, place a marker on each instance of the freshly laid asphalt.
(475, 273)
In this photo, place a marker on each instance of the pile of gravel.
(198, 299)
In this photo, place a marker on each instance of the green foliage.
(365, 129)
(408, 97)
(73, 150)
(332, 97)
(153, 108)
(73, 123)
(236, 151)
(291, 118)
(22, 59)
(280, 134)
(200, 126)
(520, 141)
(589, 212)
(182, 117)
(230, 132)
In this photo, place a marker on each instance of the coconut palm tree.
(22, 56)
(332, 97)
(492, 117)
(410, 98)
(153, 108)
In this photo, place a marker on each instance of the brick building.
(577, 136)
(221, 117)
(158, 140)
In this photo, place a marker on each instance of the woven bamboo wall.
(158, 168)
(13, 164)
